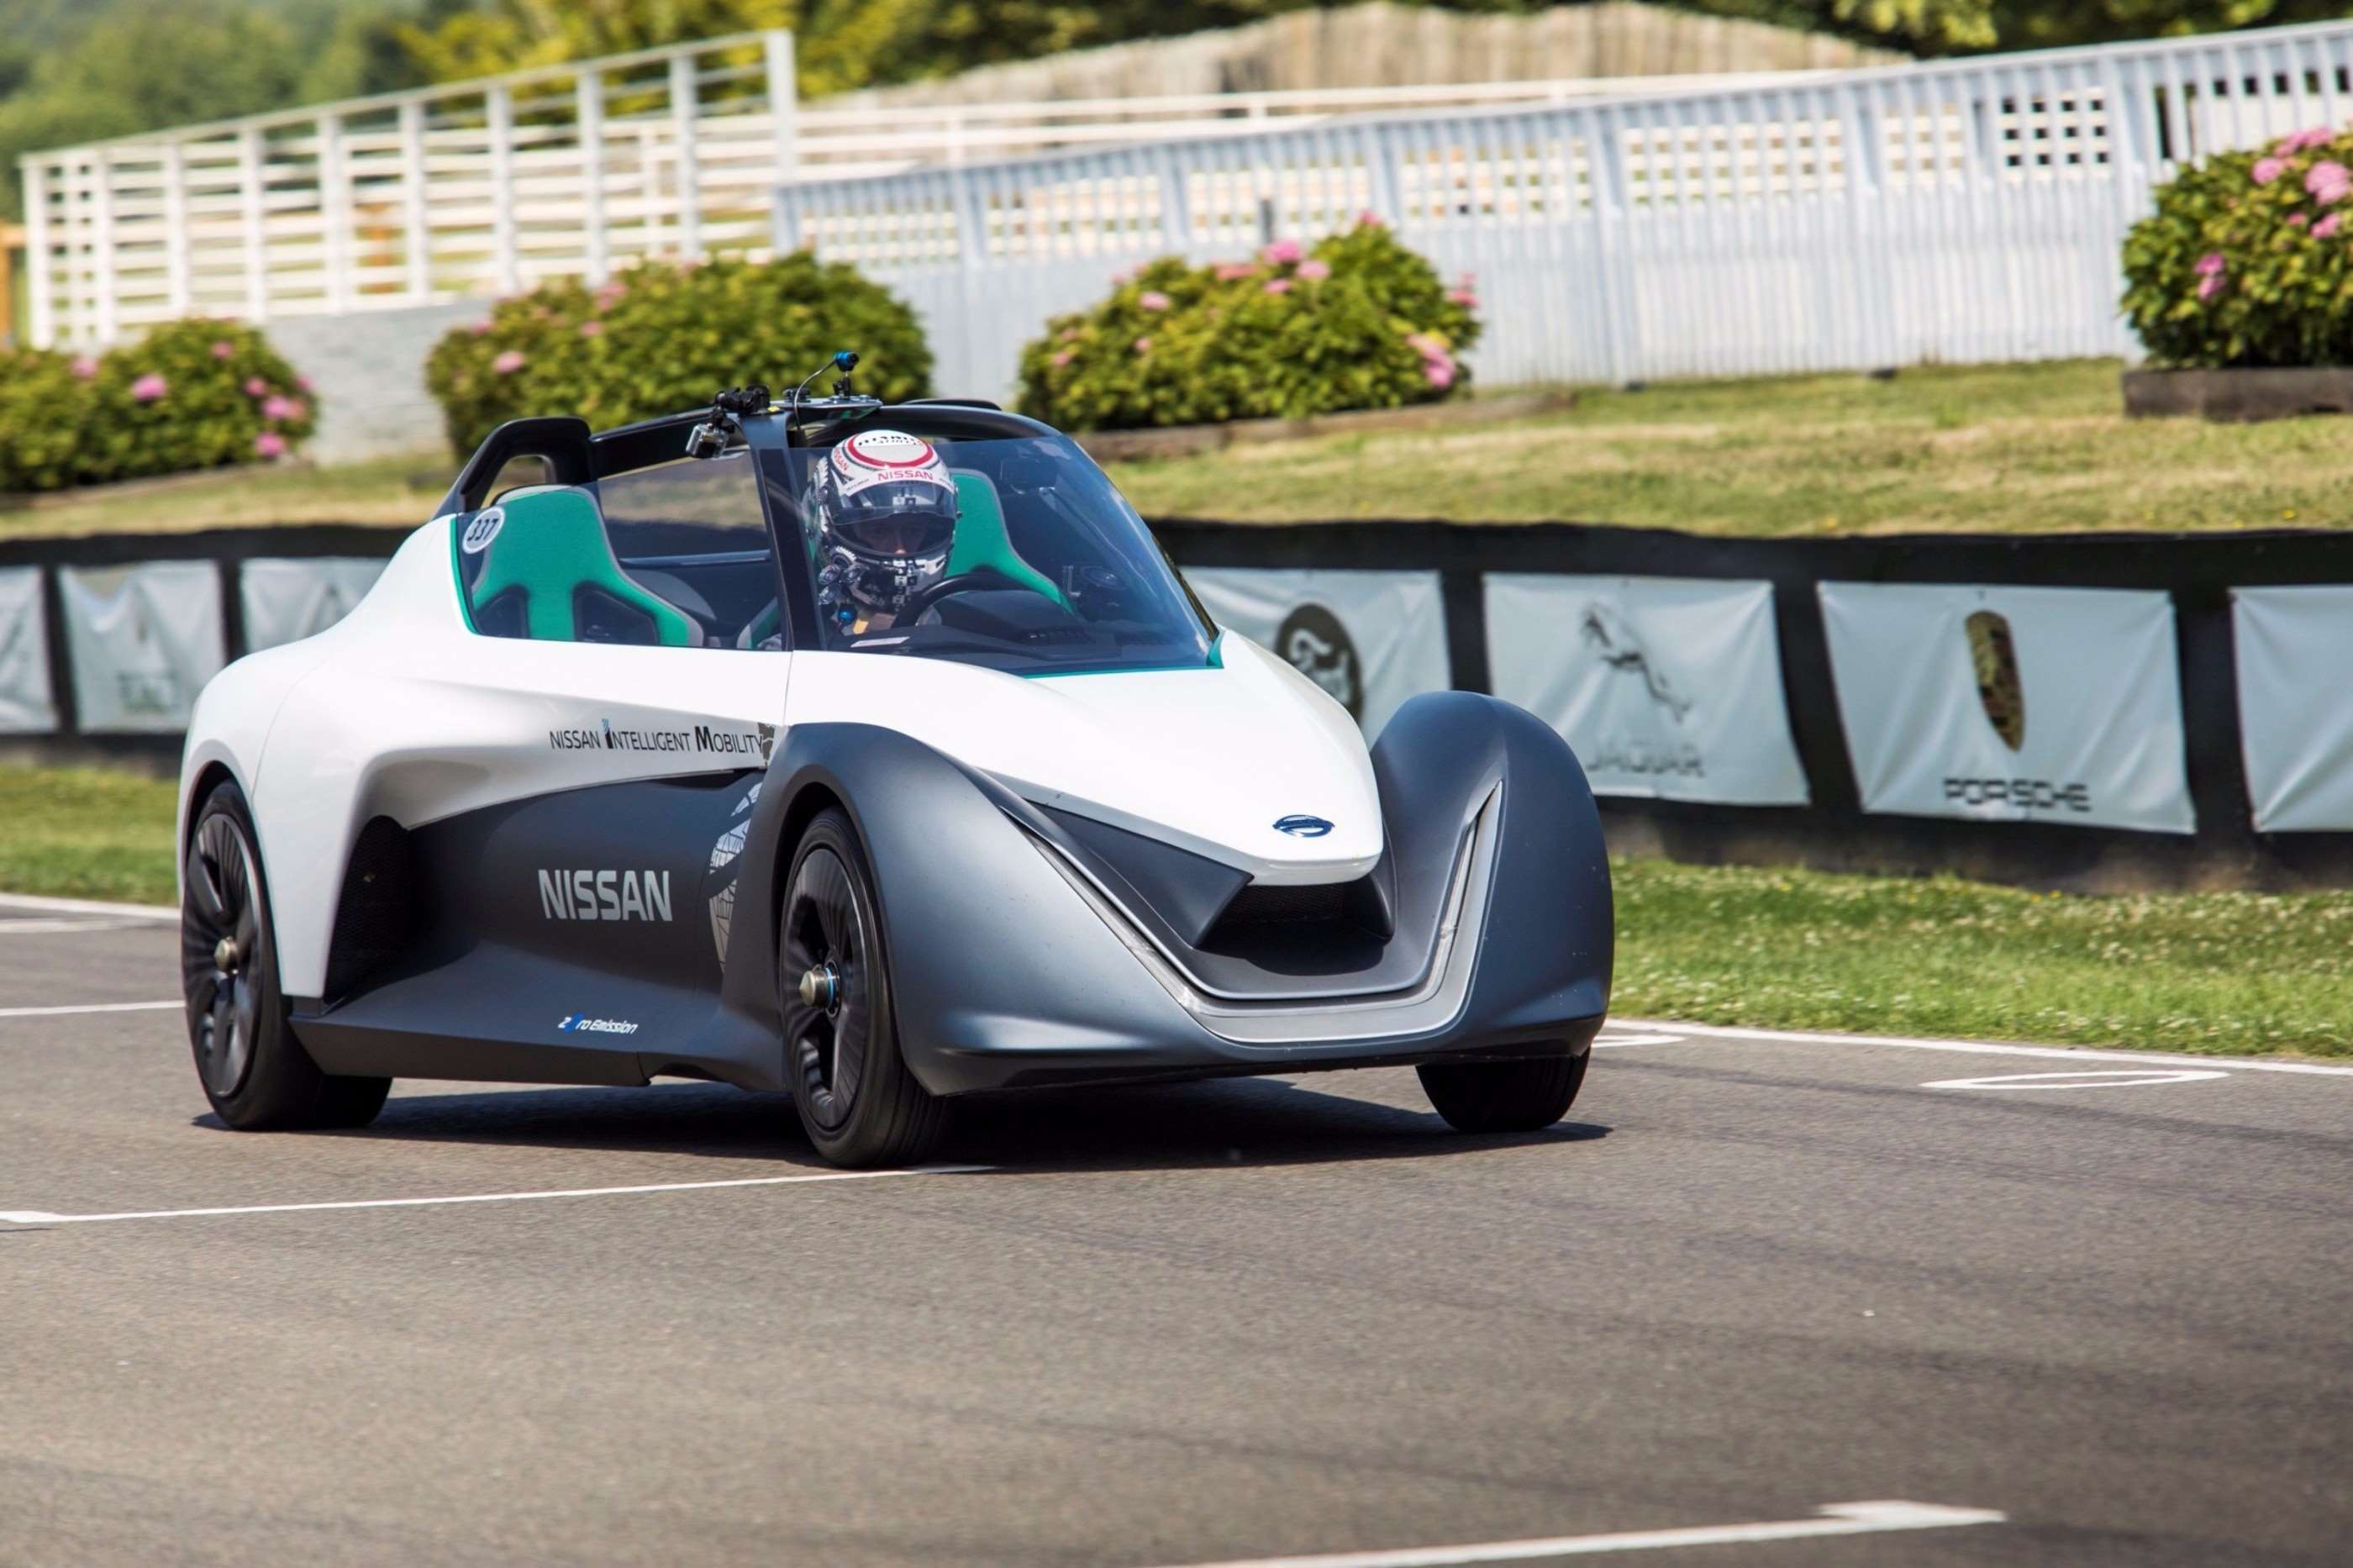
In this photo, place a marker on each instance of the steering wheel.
(980, 579)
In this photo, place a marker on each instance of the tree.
(201, 60)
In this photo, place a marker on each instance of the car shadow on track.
(1237, 1122)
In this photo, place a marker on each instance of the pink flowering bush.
(2247, 260)
(1355, 321)
(660, 339)
(189, 395)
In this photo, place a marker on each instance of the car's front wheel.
(253, 1069)
(1503, 1097)
(858, 1102)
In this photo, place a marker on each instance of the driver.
(886, 516)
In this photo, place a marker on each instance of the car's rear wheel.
(1504, 1097)
(255, 1072)
(856, 1100)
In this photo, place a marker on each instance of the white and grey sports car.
(877, 754)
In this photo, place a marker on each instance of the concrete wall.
(369, 368)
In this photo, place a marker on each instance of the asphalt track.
(2082, 1321)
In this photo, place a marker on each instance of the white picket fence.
(490, 186)
(1965, 211)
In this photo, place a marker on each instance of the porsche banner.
(25, 705)
(143, 641)
(1665, 687)
(289, 599)
(2003, 704)
(1370, 639)
(2295, 727)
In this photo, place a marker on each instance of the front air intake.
(1260, 904)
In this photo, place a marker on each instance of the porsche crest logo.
(1994, 658)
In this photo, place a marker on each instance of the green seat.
(981, 540)
(551, 546)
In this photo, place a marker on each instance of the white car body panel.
(402, 711)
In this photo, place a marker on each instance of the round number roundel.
(482, 529)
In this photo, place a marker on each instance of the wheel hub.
(225, 956)
(821, 987)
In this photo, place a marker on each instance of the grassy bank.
(2228, 973)
(2006, 448)
(400, 491)
(1995, 449)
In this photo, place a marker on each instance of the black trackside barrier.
(2197, 570)
(229, 548)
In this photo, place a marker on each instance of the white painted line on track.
(1980, 1047)
(36, 1216)
(60, 925)
(88, 907)
(90, 1007)
(1838, 1518)
(1618, 1042)
(2119, 1080)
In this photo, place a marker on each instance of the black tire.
(250, 1065)
(1504, 1097)
(858, 1102)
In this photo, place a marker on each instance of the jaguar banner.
(285, 600)
(142, 641)
(1370, 639)
(2295, 727)
(25, 708)
(2008, 704)
(1665, 686)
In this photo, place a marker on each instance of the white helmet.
(886, 511)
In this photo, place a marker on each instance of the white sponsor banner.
(143, 641)
(288, 599)
(1370, 639)
(25, 708)
(2001, 704)
(2295, 717)
(1665, 686)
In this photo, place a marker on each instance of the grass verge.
(86, 833)
(2232, 973)
(2009, 449)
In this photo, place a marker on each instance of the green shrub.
(2248, 259)
(658, 339)
(195, 394)
(44, 407)
(1358, 321)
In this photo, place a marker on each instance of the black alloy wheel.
(220, 941)
(252, 1070)
(855, 1096)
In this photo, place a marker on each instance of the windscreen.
(1019, 554)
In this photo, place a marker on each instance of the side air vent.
(376, 918)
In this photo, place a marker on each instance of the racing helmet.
(886, 509)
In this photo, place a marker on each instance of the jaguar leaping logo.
(1607, 631)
